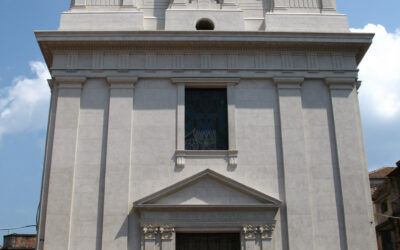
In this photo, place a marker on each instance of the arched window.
(205, 24)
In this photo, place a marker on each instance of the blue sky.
(24, 96)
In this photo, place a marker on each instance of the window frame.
(223, 134)
(181, 153)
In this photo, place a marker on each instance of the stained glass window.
(206, 119)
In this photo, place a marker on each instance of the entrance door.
(207, 241)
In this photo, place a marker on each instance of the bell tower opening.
(205, 24)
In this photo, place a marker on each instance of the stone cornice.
(188, 40)
(199, 36)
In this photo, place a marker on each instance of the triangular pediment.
(208, 189)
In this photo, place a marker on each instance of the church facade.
(204, 124)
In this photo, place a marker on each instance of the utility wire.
(14, 228)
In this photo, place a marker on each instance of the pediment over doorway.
(208, 189)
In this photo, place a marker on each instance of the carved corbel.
(166, 232)
(232, 158)
(180, 158)
(250, 232)
(150, 232)
(266, 231)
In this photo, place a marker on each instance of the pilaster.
(295, 167)
(358, 223)
(46, 166)
(180, 124)
(232, 156)
(158, 237)
(59, 209)
(167, 237)
(118, 163)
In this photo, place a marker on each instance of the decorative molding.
(246, 60)
(337, 62)
(266, 201)
(205, 61)
(177, 62)
(123, 61)
(313, 4)
(230, 155)
(70, 82)
(72, 60)
(259, 61)
(266, 231)
(150, 232)
(150, 61)
(251, 232)
(312, 61)
(288, 82)
(122, 79)
(98, 60)
(232, 158)
(205, 81)
(232, 61)
(180, 158)
(286, 60)
(122, 82)
(167, 232)
(341, 83)
(102, 2)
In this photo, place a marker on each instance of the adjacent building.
(19, 242)
(204, 124)
(385, 189)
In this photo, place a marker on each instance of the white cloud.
(380, 96)
(380, 74)
(24, 104)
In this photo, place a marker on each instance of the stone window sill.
(230, 155)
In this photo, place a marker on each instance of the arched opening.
(204, 24)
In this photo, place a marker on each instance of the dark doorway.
(208, 241)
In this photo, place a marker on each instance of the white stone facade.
(227, 15)
(117, 175)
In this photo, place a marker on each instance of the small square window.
(206, 119)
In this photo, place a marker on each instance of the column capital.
(70, 82)
(121, 82)
(344, 83)
(288, 82)
(150, 232)
(166, 232)
(252, 231)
